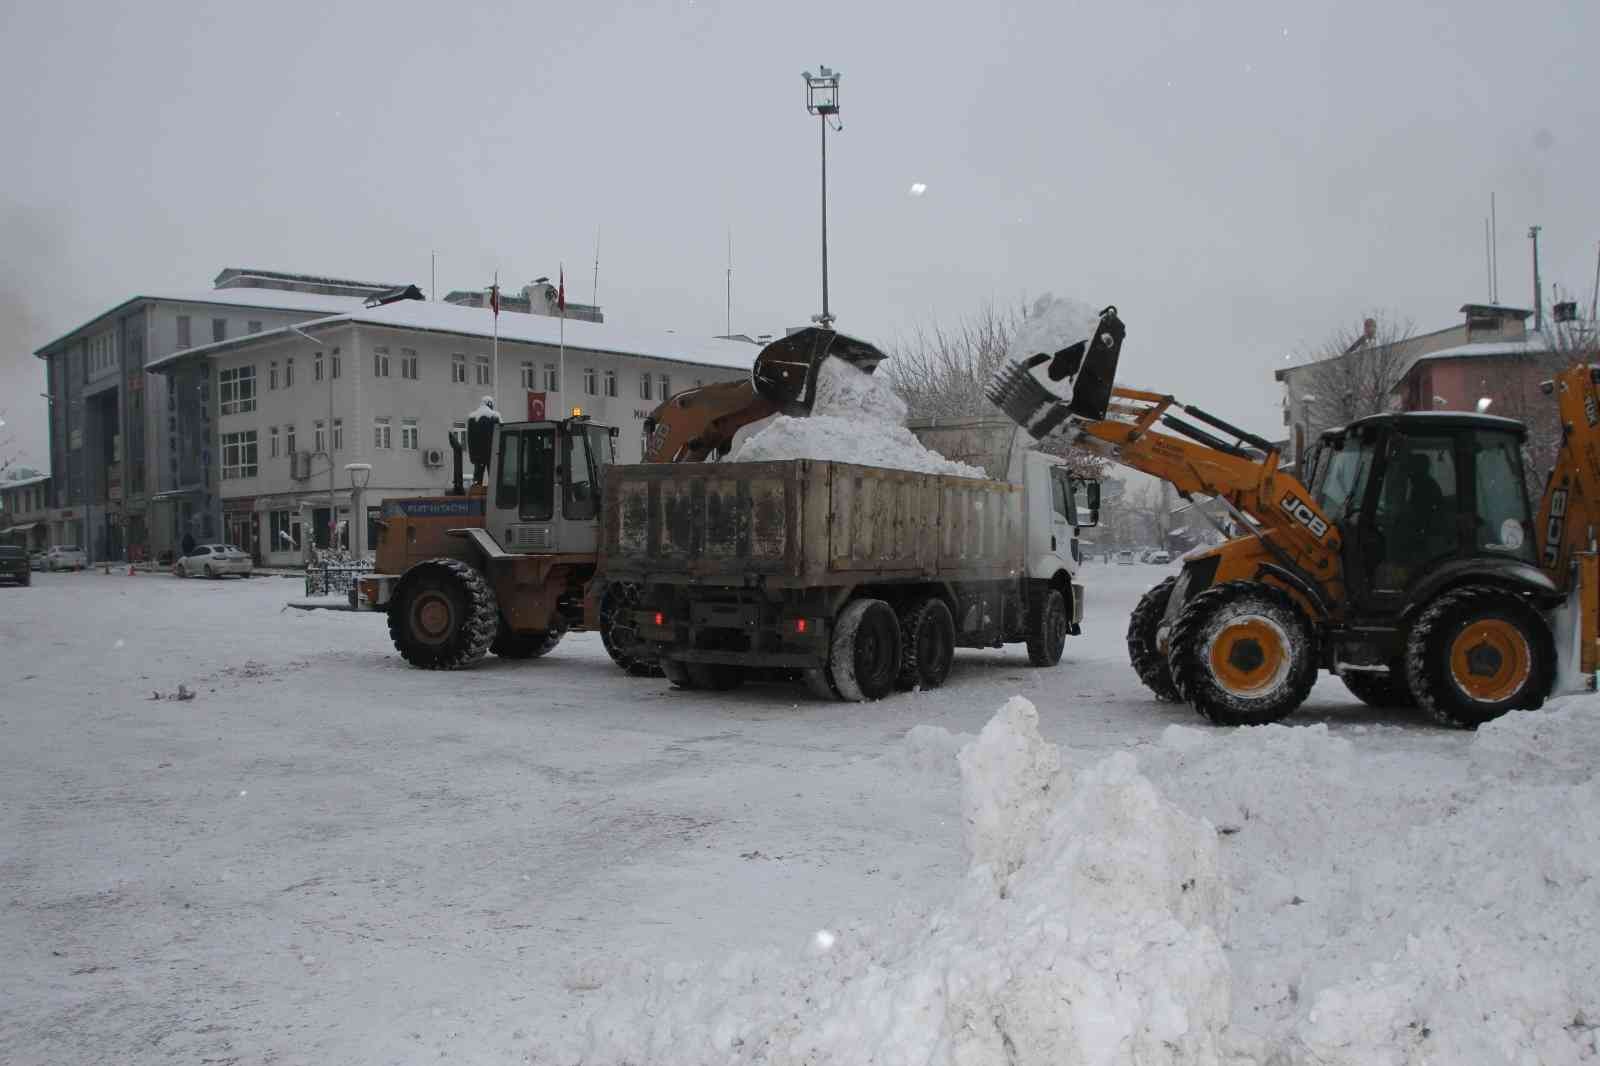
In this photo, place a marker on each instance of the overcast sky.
(1240, 178)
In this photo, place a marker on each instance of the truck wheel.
(864, 659)
(1381, 690)
(1242, 653)
(509, 645)
(1143, 653)
(1476, 653)
(1047, 625)
(619, 636)
(927, 644)
(444, 616)
(718, 677)
(677, 673)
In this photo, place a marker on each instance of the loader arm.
(1569, 512)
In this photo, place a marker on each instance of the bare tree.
(1353, 373)
(10, 452)
(942, 373)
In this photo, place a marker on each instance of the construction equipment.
(513, 565)
(1411, 566)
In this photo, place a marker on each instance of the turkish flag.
(561, 293)
(494, 299)
(535, 407)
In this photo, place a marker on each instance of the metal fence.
(334, 574)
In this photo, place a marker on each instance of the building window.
(481, 368)
(408, 434)
(552, 381)
(338, 434)
(272, 442)
(336, 362)
(665, 390)
(644, 386)
(380, 362)
(236, 390)
(611, 382)
(281, 536)
(408, 363)
(253, 326)
(272, 374)
(528, 375)
(458, 369)
(183, 331)
(219, 330)
(319, 436)
(380, 433)
(589, 381)
(288, 441)
(288, 373)
(239, 455)
(316, 367)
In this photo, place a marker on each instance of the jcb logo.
(1591, 410)
(1301, 512)
(1555, 527)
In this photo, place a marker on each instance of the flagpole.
(494, 386)
(561, 299)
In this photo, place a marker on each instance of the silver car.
(65, 557)
(213, 560)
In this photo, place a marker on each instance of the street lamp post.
(360, 476)
(327, 441)
(822, 100)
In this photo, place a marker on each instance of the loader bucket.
(786, 370)
(1029, 393)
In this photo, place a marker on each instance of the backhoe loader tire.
(1381, 690)
(617, 634)
(1047, 624)
(927, 644)
(677, 673)
(1148, 661)
(864, 659)
(1242, 653)
(509, 645)
(445, 616)
(716, 677)
(1477, 652)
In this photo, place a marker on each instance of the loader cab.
(545, 479)
(1422, 498)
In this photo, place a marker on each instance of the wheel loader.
(511, 565)
(1408, 561)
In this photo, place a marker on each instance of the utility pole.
(1538, 293)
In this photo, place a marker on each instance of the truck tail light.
(799, 625)
(661, 619)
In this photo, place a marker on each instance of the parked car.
(213, 560)
(65, 557)
(1160, 557)
(14, 564)
(1125, 557)
(39, 560)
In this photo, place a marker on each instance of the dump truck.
(855, 579)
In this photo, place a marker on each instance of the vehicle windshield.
(1341, 477)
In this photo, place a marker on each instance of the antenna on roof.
(1494, 253)
(594, 292)
(727, 327)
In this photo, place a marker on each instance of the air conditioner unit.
(432, 457)
(300, 465)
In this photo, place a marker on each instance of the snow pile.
(856, 418)
(1051, 325)
(1086, 931)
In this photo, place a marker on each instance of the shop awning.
(173, 494)
(26, 527)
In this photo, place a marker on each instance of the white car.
(65, 557)
(213, 560)
(1159, 557)
(1125, 558)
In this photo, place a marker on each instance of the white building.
(386, 386)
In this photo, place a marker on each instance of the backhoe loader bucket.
(786, 370)
(1029, 393)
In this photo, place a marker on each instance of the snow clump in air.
(1052, 324)
(857, 418)
(1086, 931)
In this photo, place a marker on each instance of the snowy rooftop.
(1481, 349)
(23, 482)
(267, 299)
(478, 322)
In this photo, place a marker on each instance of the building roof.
(242, 277)
(266, 299)
(1480, 349)
(478, 323)
(1501, 310)
(23, 482)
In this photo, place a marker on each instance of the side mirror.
(1083, 503)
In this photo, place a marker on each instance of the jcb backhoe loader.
(1412, 566)
(512, 565)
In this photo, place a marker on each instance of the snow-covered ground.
(325, 856)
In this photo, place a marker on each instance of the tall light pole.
(360, 477)
(327, 441)
(822, 100)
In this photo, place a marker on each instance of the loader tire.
(619, 636)
(1047, 625)
(1148, 661)
(864, 658)
(1381, 690)
(509, 645)
(927, 644)
(1477, 652)
(445, 616)
(716, 677)
(1243, 653)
